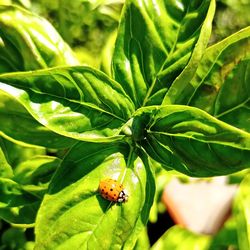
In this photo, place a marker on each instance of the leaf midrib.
(89, 105)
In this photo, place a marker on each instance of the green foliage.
(242, 213)
(168, 101)
(30, 42)
(180, 238)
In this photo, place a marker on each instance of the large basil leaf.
(221, 83)
(29, 42)
(192, 141)
(156, 40)
(19, 126)
(77, 102)
(179, 238)
(74, 215)
(242, 214)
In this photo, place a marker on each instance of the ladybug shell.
(112, 190)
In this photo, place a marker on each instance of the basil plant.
(169, 98)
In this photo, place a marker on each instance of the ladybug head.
(123, 196)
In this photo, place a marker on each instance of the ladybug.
(112, 190)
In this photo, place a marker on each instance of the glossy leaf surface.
(73, 213)
(192, 141)
(77, 102)
(29, 42)
(156, 40)
(221, 83)
(19, 126)
(242, 214)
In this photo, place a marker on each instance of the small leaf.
(242, 214)
(37, 170)
(76, 102)
(13, 238)
(73, 213)
(193, 142)
(5, 168)
(226, 238)
(12, 194)
(29, 42)
(155, 42)
(23, 216)
(179, 238)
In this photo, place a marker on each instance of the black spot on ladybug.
(111, 189)
(114, 194)
(107, 193)
(102, 190)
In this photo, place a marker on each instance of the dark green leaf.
(13, 238)
(24, 215)
(156, 40)
(74, 215)
(226, 238)
(77, 102)
(242, 214)
(192, 141)
(29, 42)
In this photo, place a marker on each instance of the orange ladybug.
(112, 190)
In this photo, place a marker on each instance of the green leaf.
(242, 214)
(142, 241)
(73, 213)
(5, 168)
(155, 43)
(37, 170)
(21, 196)
(76, 102)
(13, 195)
(13, 238)
(20, 127)
(29, 42)
(193, 142)
(192, 24)
(226, 238)
(220, 85)
(179, 238)
(23, 216)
